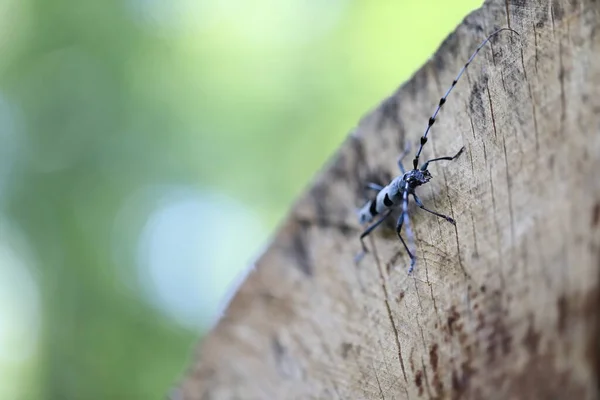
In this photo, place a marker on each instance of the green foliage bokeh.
(247, 99)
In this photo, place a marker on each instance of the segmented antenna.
(443, 99)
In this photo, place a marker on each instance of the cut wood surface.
(503, 306)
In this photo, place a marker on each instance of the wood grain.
(503, 306)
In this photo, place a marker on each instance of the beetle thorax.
(416, 177)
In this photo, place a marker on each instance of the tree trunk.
(505, 304)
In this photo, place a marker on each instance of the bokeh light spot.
(19, 318)
(191, 250)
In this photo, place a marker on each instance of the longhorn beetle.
(400, 188)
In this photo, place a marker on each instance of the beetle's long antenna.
(443, 99)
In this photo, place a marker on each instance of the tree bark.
(503, 306)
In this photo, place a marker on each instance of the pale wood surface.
(505, 305)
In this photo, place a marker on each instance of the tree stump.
(503, 306)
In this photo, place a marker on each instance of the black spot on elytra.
(373, 207)
(387, 201)
(378, 176)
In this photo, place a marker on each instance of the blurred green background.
(147, 150)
